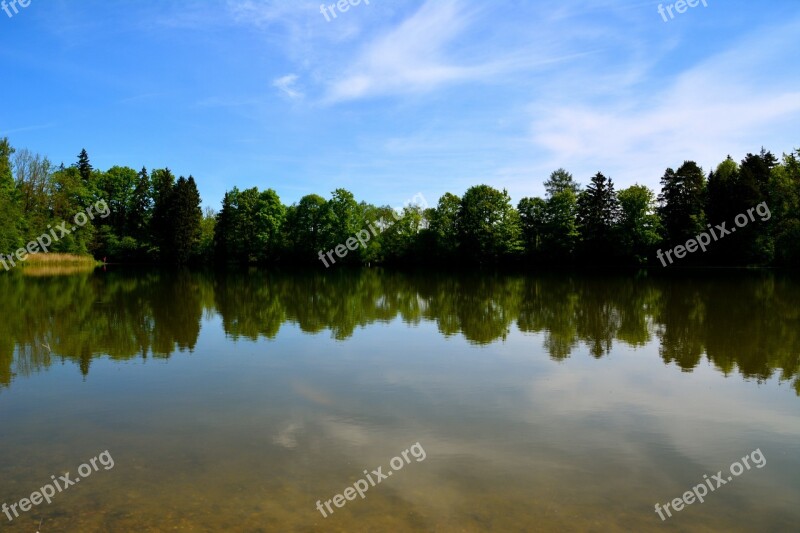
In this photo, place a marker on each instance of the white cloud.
(286, 85)
(724, 105)
(411, 58)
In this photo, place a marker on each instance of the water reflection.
(745, 322)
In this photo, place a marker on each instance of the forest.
(156, 218)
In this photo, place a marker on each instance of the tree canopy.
(156, 217)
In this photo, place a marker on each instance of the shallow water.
(234, 402)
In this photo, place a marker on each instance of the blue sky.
(397, 97)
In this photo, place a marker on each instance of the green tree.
(561, 233)
(225, 228)
(246, 247)
(139, 210)
(488, 225)
(561, 180)
(10, 238)
(117, 186)
(444, 225)
(33, 192)
(532, 216)
(269, 215)
(732, 190)
(682, 202)
(207, 226)
(251, 226)
(185, 215)
(69, 195)
(639, 225)
(84, 166)
(161, 224)
(721, 184)
(549, 227)
(345, 215)
(598, 213)
(308, 227)
(784, 204)
(755, 243)
(401, 238)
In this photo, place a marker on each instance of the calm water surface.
(234, 402)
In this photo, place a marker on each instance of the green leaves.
(488, 226)
(250, 226)
(683, 202)
(598, 213)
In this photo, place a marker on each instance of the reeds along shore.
(56, 264)
(55, 259)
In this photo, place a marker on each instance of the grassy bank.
(53, 264)
(54, 259)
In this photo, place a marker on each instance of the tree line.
(157, 218)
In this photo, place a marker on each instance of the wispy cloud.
(28, 128)
(287, 85)
(412, 57)
(140, 97)
(718, 106)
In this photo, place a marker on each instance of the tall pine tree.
(185, 216)
(598, 212)
(84, 166)
(139, 209)
(163, 182)
(682, 202)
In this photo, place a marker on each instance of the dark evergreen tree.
(84, 166)
(753, 242)
(185, 216)
(160, 224)
(598, 212)
(682, 203)
(224, 228)
(140, 209)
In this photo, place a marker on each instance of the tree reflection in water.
(748, 322)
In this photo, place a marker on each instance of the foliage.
(598, 213)
(682, 202)
(560, 181)
(488, 226)
(156, 217)
(639, 225)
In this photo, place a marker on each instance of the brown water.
(545, 403)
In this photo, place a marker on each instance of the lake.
(552, 402)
